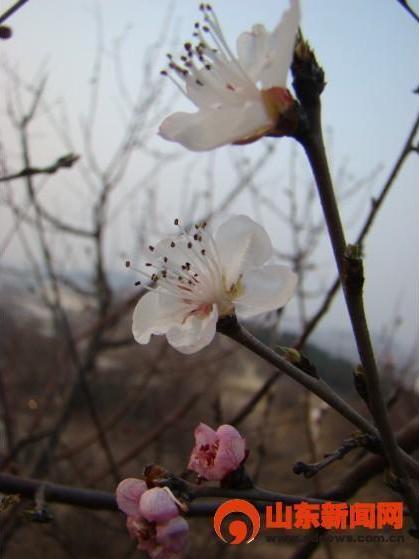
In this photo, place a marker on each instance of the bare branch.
(64, 162)
(409, 10)
(375, 207)
(10, 11)
(309, 83)
(231, 328)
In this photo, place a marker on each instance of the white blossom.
(239, 98)
(197, 277)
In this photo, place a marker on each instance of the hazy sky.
(369, 49)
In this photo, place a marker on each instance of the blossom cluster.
(153, 515)
(153, 518)
(196, 276)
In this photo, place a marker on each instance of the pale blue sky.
(369, 49)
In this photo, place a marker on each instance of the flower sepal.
(239, 478)
(290, 115)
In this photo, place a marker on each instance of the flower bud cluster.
(153, 518)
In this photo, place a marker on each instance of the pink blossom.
(137, 527)
(216, 453)
(157, 505)
(159, 541)
(128, 494)
(173, 534)
(152, 519)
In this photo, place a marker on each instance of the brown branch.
(375, 207)
(64, 162)
(85, 498)
(360, 475)
(101, 500)
(230, 327)
(56, 493)
(59, 314)
(409, 10)
(252, 494)
(408, 438)
(10, 11)
(309, 84)
(310, 470)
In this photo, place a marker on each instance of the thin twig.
(358, 477)
(254, 494)
(230, 327)
(57, 493)
(311, 470)
(64, 162)
(409, 10)
(5, 15)
(354, 480)
(60, 316)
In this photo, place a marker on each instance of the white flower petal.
(252, 50)
(195, 333)
(281, 48)
(265, 289)
(225, 88)
(156, 313)
(207, 90)
(242, 244)
(206, 96)
(210, 128)
(198, 278)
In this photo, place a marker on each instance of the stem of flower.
(230, 327)
(350, 269)
(254, 494)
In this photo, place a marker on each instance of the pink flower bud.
(128, 494)
(156, 505)
(173, 535)
(216, 453)
(135, 526)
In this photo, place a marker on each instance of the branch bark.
(309, 83)
(376, 205)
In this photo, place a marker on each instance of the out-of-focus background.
(81, 98)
